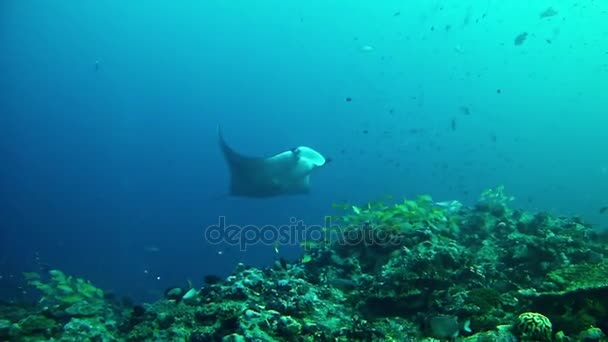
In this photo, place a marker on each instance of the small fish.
(306, 258)
(549, 12)
(520, 38)
(603, 210)
(367, 48)
(451, 206)
(453, 124)
(465, 110)
(396, 14)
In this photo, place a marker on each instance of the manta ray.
(285, 173)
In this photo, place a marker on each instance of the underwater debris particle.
(453, 124)
(549, 12)
(348, 99)
(396, 14)
(365, 131)
(548, 41)
(498, 91)
(465, 110)
(603, 210)
(520, 38)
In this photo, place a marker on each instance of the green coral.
(94, 330)
(580, 277)
(485, 298)
(533, 326)
(592, 334)
(489, 312)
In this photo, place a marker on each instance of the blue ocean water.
(110, 168)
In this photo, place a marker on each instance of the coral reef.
(412, 270)
(532, 326)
